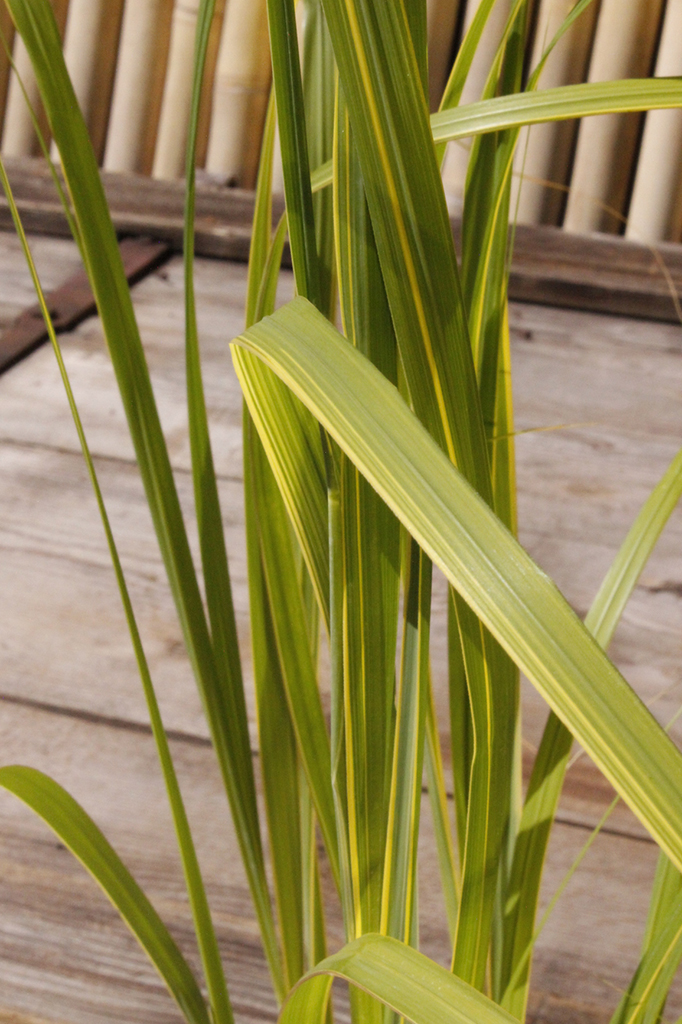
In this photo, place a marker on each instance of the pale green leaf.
(35, 22)
(409, 983)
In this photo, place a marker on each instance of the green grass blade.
(267, 293)
(288, 86)
(35, 22)
(314, 935)
(438, 798)
(461, 725)
(78, 832)
(289, 624)
(516, 601)
(261, 228)
(464, 59)
(412, 697)
(389, 117)
(484, 285)
(560, 104)
(207, 503)
(319, 74)
(295, 452)
(205, 932)
(276, 736)
(626, 568)
(645, 999)
(546, 780)
(292, 442)
(369, 568)
(667, 887)
(404, 980)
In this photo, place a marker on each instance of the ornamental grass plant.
(378, 442)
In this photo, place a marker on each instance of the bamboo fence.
(131, 65)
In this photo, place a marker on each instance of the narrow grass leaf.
(295, 450)
(389, 117)
(78, 832)
(645, 999)
(319, 74)
(261, 227)
(276, 736)
(288, 86)
(369, 570)
(438, 799)
(206, 501)
(544, 788)
(289, 624)
(35, 22)
(412, 698)
(505, 588)
(559, 104)
(206, 937)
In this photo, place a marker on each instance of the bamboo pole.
(656, 208)
(441, 23)
(138, 85)
(623, 48)
(169, 155)
(457, 155)
(6, 40)
(90, 46)
(18, 135)
(240, 93)
(544, 151)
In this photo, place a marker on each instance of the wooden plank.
(603, 273)
(73, 301)
(71, 697)
(579, 490)
(65, 955)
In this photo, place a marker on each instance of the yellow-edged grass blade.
(276, 736)
(295, 449)
(484, 285)
(405, 981)
(544, 788)
(205, 932)
(319, 74)
(214, 562)
(380, 77)
(369, 569)
(661, 950)
(290, 630)
(399, 903)
(559, 104)
(288, 86)
(438, 798)
(294, 862)
(35, 22)
(513, 597)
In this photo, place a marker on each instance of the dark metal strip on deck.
(73, 301)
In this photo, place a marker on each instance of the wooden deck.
(70, 698)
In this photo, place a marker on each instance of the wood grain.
(71, 701)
